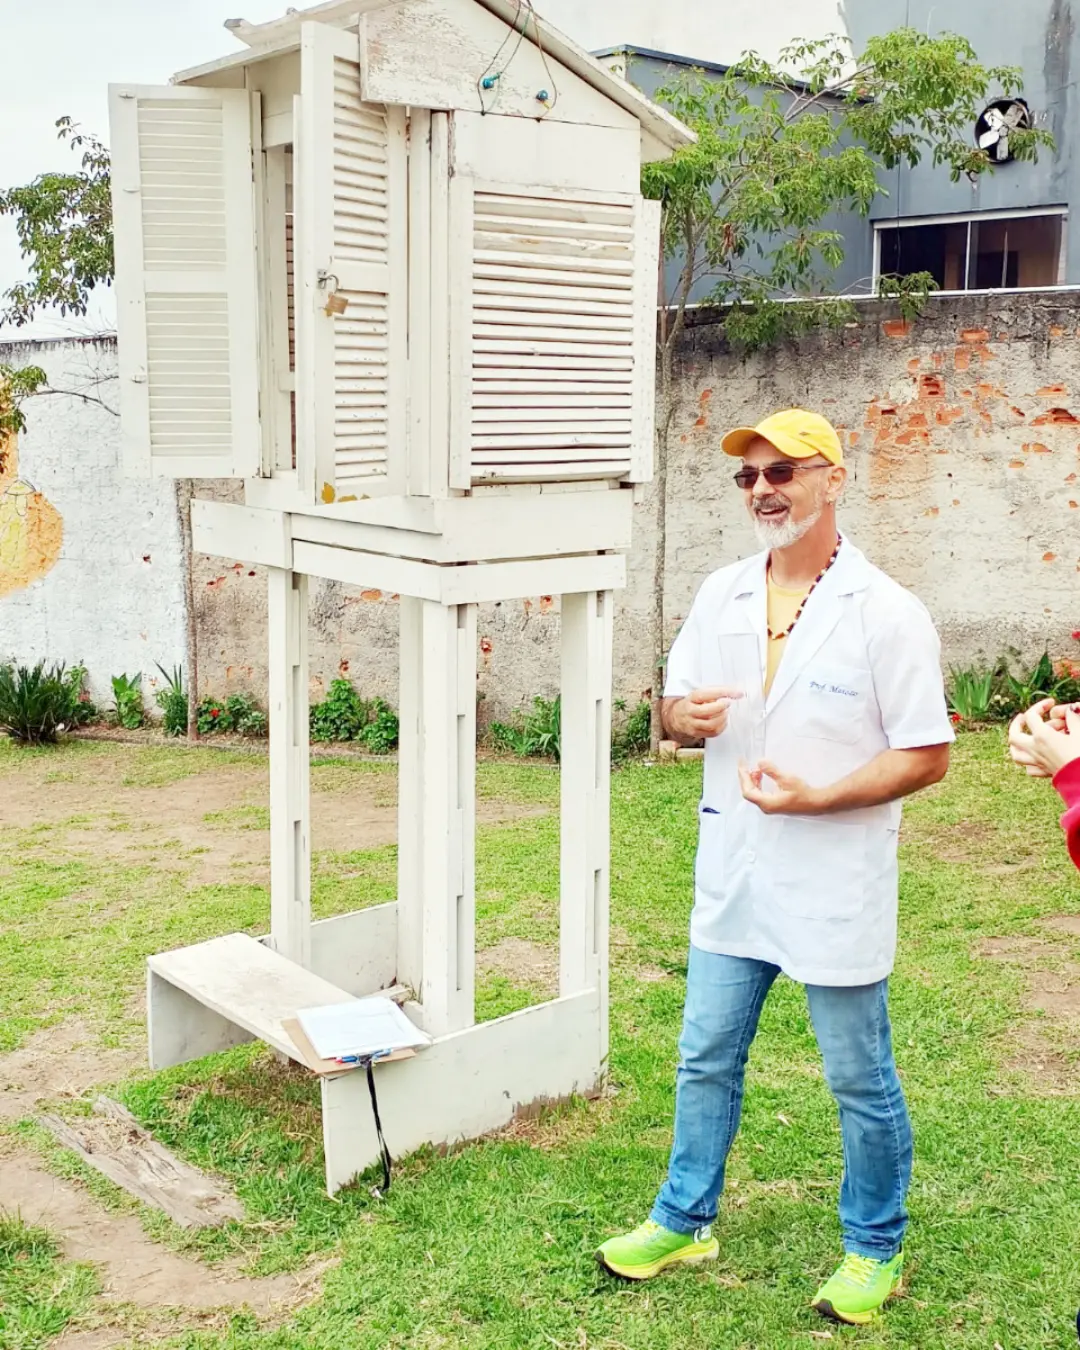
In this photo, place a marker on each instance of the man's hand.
(888, 777)
(792, 797)
(700, 715)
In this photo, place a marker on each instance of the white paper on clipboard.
(365, 1026)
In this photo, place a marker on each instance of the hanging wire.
(553, 93)
(489, 78)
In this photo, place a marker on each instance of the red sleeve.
(1067, 782)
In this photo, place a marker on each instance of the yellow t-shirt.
(783, 606)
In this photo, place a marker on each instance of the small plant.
(38, 702)
(981, 695)
(971, 694)
(173, 702)
(633, 738)
(238, 714)
(211, 717)
(1029, 687)
(539, 734)
(128, 701)
(380, 736)
(341, 716)
(344, 716)
(82, 709)
(244, 715)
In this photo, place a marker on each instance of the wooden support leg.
(585, 863)
(180, 1028)
(290, 811)
(462, 1086)
(438, 812)
(410, 901)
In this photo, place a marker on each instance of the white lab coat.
(815, 895)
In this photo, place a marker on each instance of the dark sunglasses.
(775, 474)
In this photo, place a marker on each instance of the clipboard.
(323, 1067)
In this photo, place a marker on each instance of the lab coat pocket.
(832, 703)
(710, 865)
(819, 867)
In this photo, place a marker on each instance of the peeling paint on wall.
(31, 528)
(90, 561)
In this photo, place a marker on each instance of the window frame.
(970, 218)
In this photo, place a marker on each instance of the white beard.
(782, 534)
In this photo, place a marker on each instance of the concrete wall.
(964, 440)
(90, 562)
(963, 431)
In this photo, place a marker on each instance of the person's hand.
(792, 797)
(1042, 743)
(1018, 734)
(702, 714)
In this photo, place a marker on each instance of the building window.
(991, 252)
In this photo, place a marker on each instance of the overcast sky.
(61, 58)
(62, 55)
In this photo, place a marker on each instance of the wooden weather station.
(390, 266)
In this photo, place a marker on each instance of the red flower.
(956, 719)
(215, 712)
(1076, 635)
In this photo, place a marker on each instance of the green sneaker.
(859, 1289)
(650, 1249)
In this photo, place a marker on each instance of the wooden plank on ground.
(116, 1145)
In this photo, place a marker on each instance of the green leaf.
(63, 224)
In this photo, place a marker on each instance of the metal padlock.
(335, 303)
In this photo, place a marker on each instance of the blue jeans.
(724, 998)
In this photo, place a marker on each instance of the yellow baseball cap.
(795, 433)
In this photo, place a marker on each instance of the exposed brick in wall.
(963, 434)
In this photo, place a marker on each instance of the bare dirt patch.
(208, 823)
(60, 1063)
(134, 1269)
(1039, 1046)
(148, 1291)
(974, 844)
(522, 962)
(1064, 923)
(202, 818)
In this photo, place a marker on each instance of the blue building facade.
(1007, 230)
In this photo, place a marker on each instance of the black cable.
(384, 1152)
(495, 59)
(549, 104)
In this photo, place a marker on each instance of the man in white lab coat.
(816, 684)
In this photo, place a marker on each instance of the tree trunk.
(664, 411)
(185, 490)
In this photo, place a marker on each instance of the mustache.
(773, 502)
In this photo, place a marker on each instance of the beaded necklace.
(777, 637)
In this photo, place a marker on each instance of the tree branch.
(74, 393)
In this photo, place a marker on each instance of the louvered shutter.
(555, 380)
(290, 302)
(351, 231)
(187, 318)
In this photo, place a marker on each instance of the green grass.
(39, 1292)
(489, 1248)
